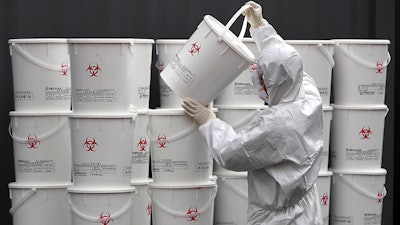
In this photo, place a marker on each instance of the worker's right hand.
(254, 14)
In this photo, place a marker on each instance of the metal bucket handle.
(41, 137)
(183, 214)
(24, 198)
(116, 215)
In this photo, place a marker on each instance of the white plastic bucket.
(102, 149)
(210, 60)
(317, 57)
(166, 49)
(141, 148)
(39, 204)
(180, 205)
(232, 191)
(101, 206)
(103, 71)
(241, 91)
(141, 72)
(179, 154)
(238, 117)
(41, 74)
(42, 147)
(324, 192)
(327, 118)
(357, 197)
(357, 137)
(359, 74)
(141, 211)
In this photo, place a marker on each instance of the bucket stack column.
(359, 81)
(40, 131)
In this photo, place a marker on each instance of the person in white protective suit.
(281, 147)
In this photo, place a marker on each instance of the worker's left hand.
(198, 112)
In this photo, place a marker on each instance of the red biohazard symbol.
(90, 144)
(379, 66)
(160, 66)
(142, 144)
(380, 196)
(148, 209)
(32, 141)
(365, 132)
(324, 199)
(105, 219)
(162, 141)
(195, 49)
(93, 69)
(192, 211)
(253, 67)
(64, 69)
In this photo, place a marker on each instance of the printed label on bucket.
(140, 157)
(36, 166)
(169, 165)
(96, 169)
(242, 88)
(359, 154)
(371, 89)
(184, 73)
(342, 219)
(143, 92)
(95, 95)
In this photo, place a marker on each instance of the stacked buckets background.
(80, 131)
(359, 80)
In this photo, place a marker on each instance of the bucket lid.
(108, 41)
(103, 115)
(38, 185)
(325, 173)
(231, 39)
(310, 42)
(183, 186)
(75, 189)
(361, 107)
(360, 172)
(21, 113)
(362, 41)
(169, 112)
(37, 40)
(248, 40)
(231, 174)
(241, 107)
(141, 182)
(171, 41)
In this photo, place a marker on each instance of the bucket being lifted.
(209, 61)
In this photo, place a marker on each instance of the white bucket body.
(181, 205)
(102, 150)
(42, 147)
(141, 211)
(317, 57)
(41, 74)
(327, 118)
(166, 49)
(359, 74)
(241, 91)
(357, 198)
(324, 192)
(208, 62)
(141, 72)
(357, 137)
(179, 154)
(232, 191)
(45, 204)
(102, 71)
(238, 117)
(107, 206)
(141, 148)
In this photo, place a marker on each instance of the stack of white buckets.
(96, 155)
(359, 80)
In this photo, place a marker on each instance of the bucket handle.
(363, 63)
(233, 19)
(327, 55)
(33, 60)
(116, 215)
(362, 190)
(179, 135)
(183, 214)
(245, 120)
(42, 137)
(25, 198)
(238, 191)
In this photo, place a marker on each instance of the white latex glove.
(198, 112)
(254, 14)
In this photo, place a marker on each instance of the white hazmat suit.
(281, 147)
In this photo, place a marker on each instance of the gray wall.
(158, 19)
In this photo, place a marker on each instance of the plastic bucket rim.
(327, 108)
(105, 190)
(23, 185)
(241, 107)
(142, 182)
(102, 115)
(311, 42)
(39, 113)
(380, 171)
(325, 173)
(38, 41)
(361, 41)
(360, 107)
(169, 111)
(170, 41)
(182, 186)
(108, 41)
(231, 175)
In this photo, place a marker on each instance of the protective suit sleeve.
(265, 36)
